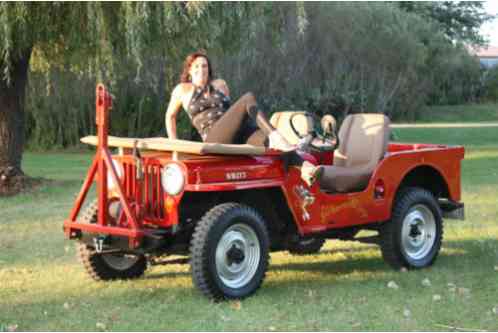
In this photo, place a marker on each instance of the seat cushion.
(345, 179)
(363, 142)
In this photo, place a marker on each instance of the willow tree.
(97, 33)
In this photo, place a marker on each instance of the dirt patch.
(13, 182)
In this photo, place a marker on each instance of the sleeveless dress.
(206, 107)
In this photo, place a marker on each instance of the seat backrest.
(363, 140)
(282, 122)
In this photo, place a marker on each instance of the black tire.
(416, 245)
(103, 267)
(248, 249)
(306, 246)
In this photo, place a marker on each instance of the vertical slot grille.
(148, 193)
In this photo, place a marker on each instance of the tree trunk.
(12, 123)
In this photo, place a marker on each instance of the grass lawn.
(459, 113)
(44, 288)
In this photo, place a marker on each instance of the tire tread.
(199, 250)
(389, 230)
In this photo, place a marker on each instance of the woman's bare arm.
(175, 104)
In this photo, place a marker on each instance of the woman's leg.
(225, 129)
(258, 138)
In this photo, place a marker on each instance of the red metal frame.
(102, 164)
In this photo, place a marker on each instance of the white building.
(488, 56)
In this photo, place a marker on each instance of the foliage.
(456, 77)
(349, 57)
(490, 84)
(134, 48)
(459, 20)
(324, 57)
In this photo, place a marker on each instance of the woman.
(207, 102)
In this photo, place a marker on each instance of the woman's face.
(199, 71)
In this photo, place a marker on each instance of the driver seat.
(363, 140)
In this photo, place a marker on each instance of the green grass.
(467, 136)
(43, 287)
(459, 113)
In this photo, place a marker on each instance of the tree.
(99, 34)
(459, 20)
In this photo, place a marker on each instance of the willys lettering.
(236, 175)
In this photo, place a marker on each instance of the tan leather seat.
(282, 122)
(363, 140)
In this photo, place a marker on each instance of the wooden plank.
(183, 146)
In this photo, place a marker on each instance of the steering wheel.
(320, 138)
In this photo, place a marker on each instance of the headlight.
(172, 179)
(119, 171)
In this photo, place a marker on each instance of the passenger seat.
(363, 140)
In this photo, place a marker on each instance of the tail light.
(380, 189)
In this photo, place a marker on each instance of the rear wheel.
(413, 236)
(229, 252)
(108, 266)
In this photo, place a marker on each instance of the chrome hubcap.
(237, 256)
(120, 262)
(418, 233)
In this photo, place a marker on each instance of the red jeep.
(227, 206)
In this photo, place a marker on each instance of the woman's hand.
(222, 86)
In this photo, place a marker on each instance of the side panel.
(230, 174)
(330, 211)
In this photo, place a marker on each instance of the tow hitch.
(98, 243)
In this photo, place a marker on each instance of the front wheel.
(413, 236)
(108, 266)
(229, 252)
(111, 266)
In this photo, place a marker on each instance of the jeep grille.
(151, 194)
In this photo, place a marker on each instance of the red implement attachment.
(102, 164)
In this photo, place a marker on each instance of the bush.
(349, 57)
(456, 78)
(490, 85)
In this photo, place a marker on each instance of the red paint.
(379, 189)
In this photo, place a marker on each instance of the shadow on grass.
(455, 253)
(345, 266)
(466, 249)
(348, 266)
(161, 275)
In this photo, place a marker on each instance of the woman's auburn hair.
(185, 76)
